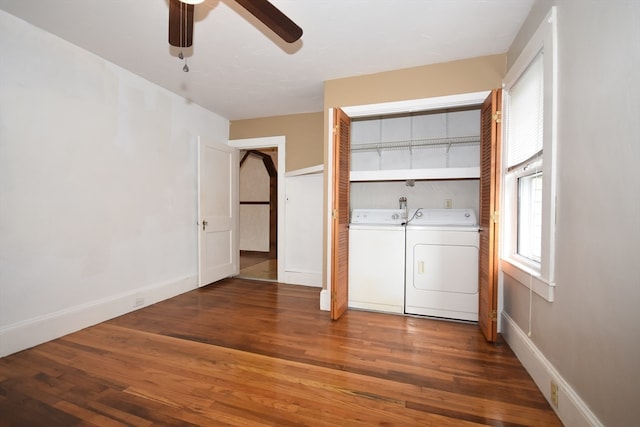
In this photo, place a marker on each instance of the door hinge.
(497, 117)
(493, 316)
(335, 213)
(494, 217)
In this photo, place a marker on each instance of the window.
(529, 218)
(524, 157)
(529, 162)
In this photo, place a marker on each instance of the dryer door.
(442, 280)
(445, 268)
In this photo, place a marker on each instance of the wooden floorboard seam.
(247, 353)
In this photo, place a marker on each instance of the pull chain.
(183, 18)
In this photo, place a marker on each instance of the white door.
(217, 212)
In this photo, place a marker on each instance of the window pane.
(530, 216)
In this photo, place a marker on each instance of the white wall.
(587, 339)
(97, 188)
(424, 194)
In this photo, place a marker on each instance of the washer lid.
(378, 216)
(464, 217)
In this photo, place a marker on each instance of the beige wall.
(590, 333)
(450, 78)
(303, 134)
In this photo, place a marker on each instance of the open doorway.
(262, 143)
(258, 231)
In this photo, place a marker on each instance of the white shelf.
(417, 143)
(404, 174)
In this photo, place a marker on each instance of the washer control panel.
(377, 216)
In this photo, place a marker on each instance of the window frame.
(538, 276)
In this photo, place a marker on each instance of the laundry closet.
(414, 197)
(431, 157)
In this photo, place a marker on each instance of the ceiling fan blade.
(271, 16)
(180, 23)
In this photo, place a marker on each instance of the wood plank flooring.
(251, 353)
(258, 265)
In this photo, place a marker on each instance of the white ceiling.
(240, 69)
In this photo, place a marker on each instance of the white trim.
(280, 143)
(544, 39)
(529, 278)
(571, 410)
(199, 207)
(325, 300)
(306, 171)
(22, 335)
(325, 295)
(424, 104)
(266, 142)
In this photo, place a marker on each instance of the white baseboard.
(325, 300)
(571, 410)
(31, 332)
(303, 278)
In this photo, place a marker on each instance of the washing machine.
(442, 247)
(376, 260)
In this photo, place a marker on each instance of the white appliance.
(442, 248)
(376, 260)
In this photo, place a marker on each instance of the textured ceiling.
(239, 69)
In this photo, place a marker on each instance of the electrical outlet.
(554, 394)
(139, 302)
(448, 203)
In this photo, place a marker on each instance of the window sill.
(528, 277)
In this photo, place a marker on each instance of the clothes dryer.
(442, 247)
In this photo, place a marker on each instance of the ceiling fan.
(181, 20)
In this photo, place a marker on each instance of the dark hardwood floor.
(244, 352)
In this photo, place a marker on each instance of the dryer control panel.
(459, 217)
